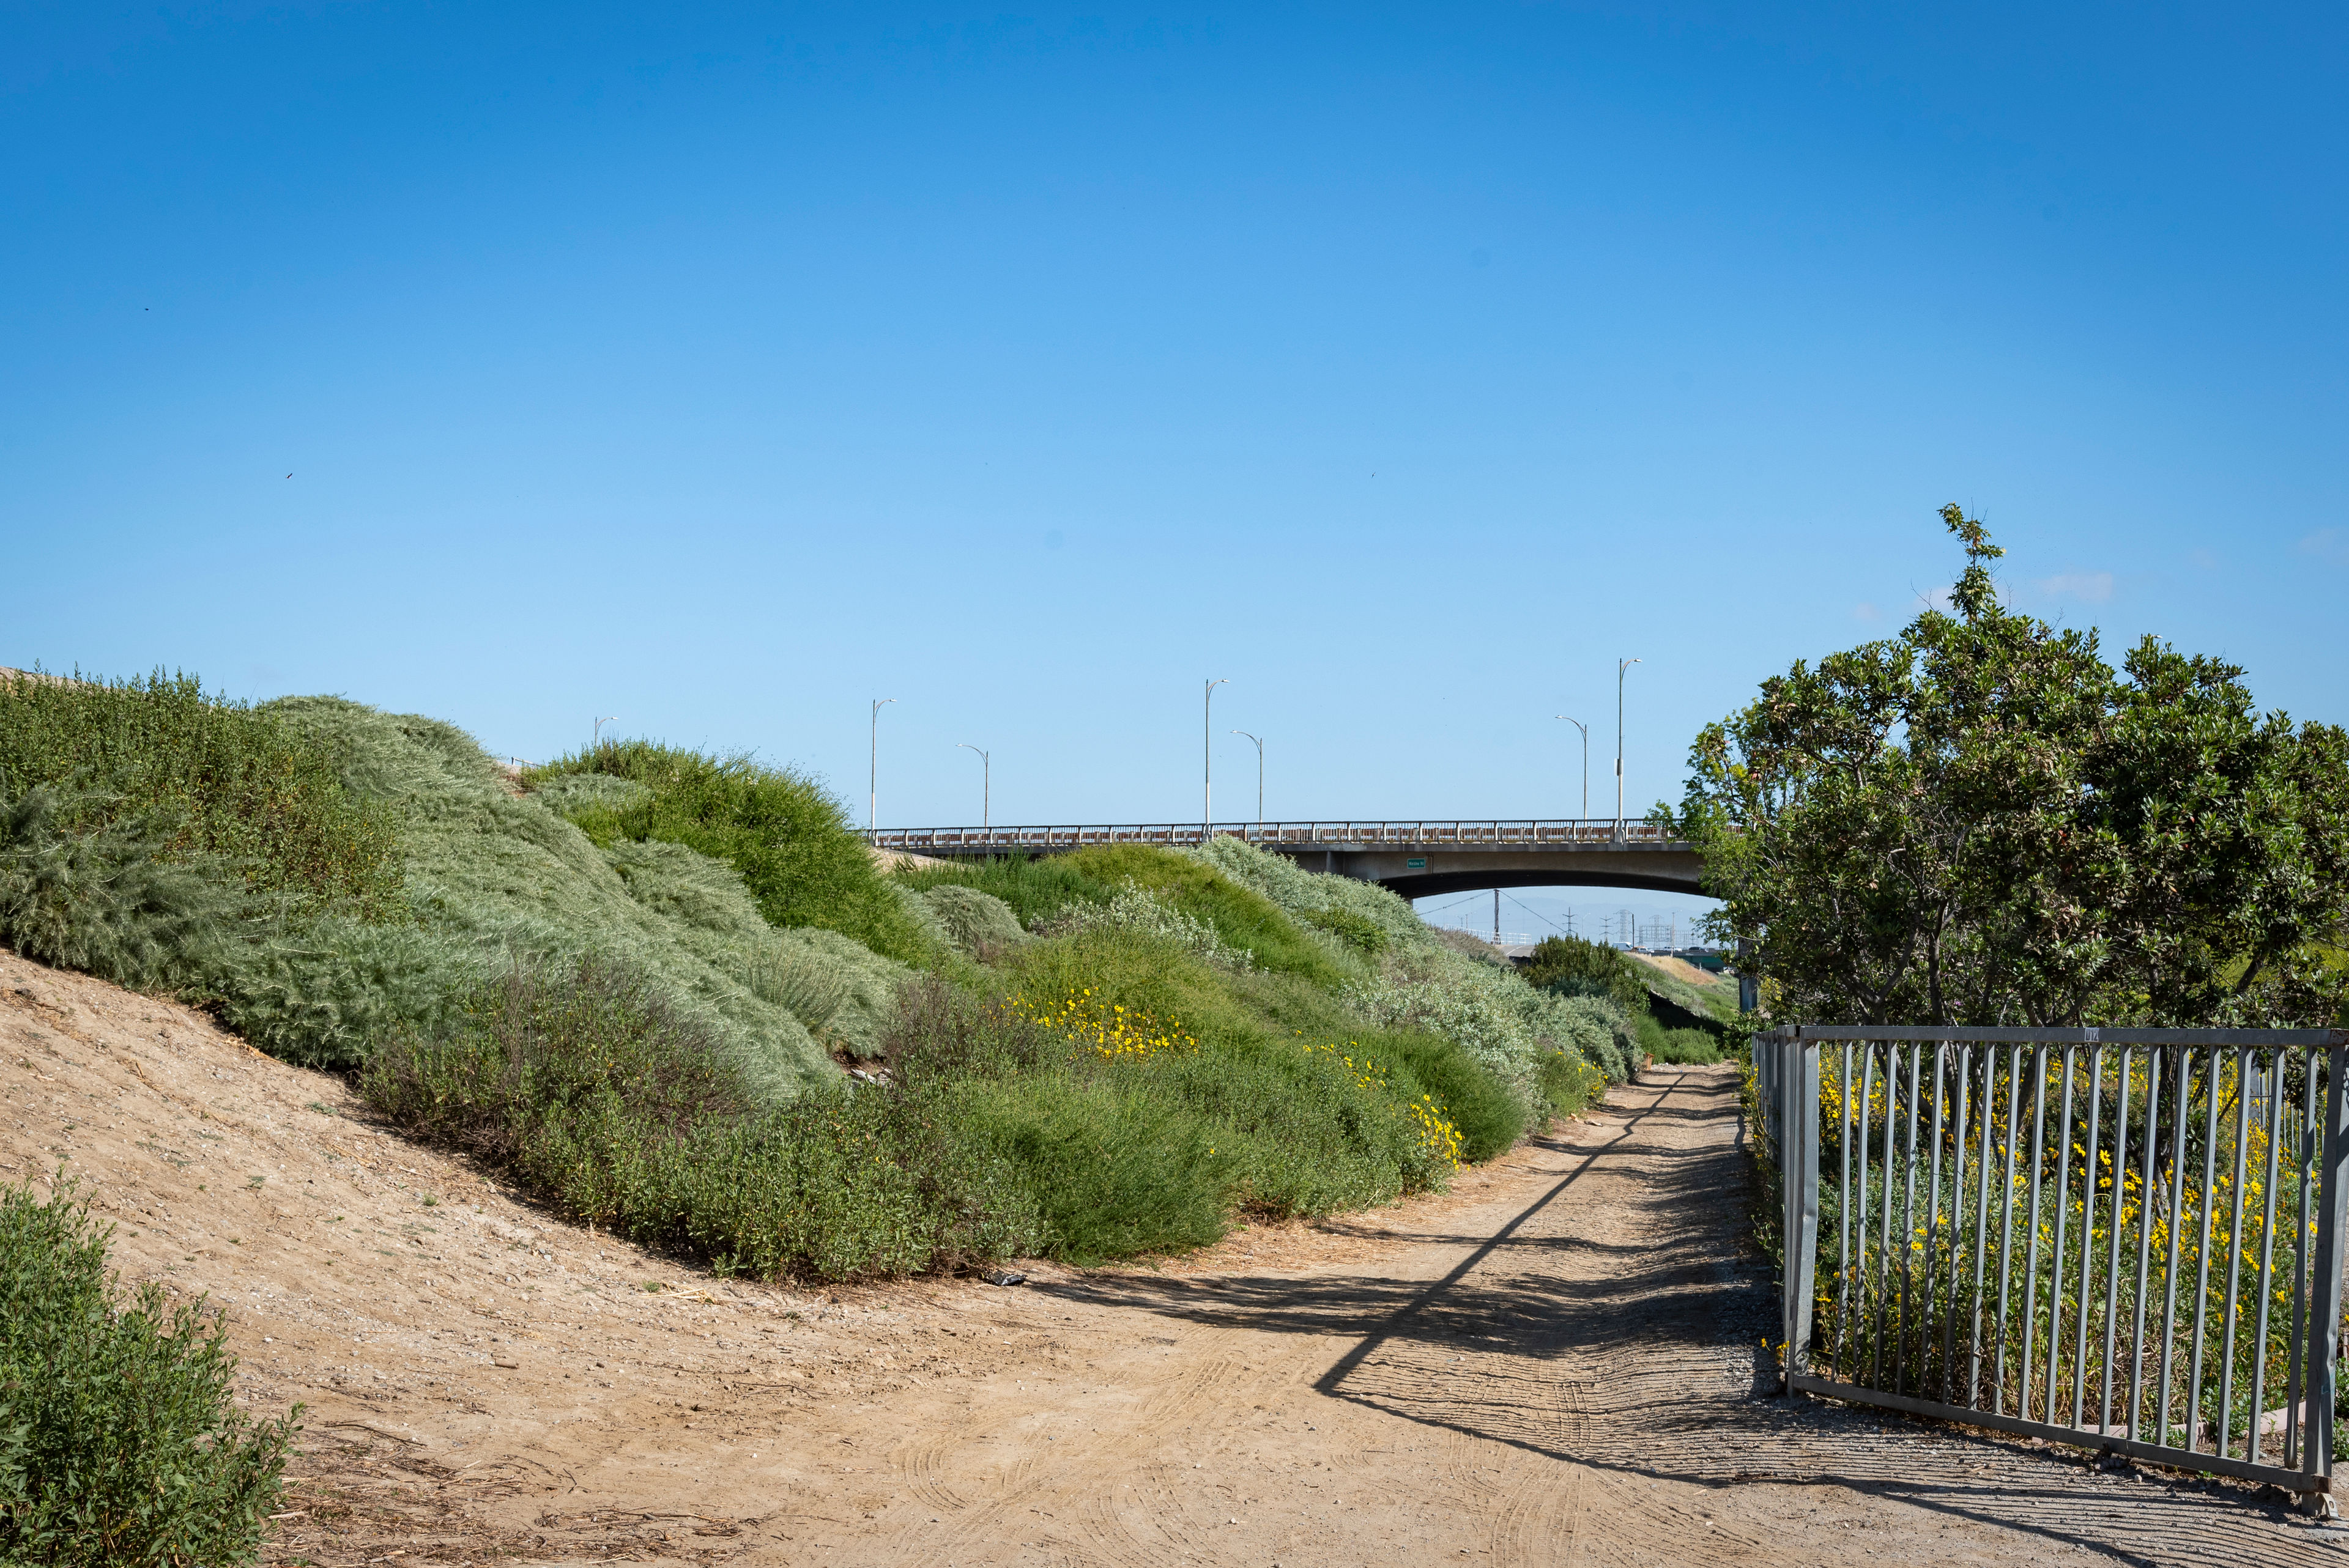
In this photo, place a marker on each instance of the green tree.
(1979, 821)
(1572, 967)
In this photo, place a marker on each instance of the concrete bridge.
(1415, 859)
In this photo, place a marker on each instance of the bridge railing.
(1457, 833)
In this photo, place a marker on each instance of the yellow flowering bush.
(1439, 1139)
(1108, 1030)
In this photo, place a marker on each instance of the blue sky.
(1406, 367)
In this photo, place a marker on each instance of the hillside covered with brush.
(673, 993)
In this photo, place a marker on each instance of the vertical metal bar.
(1884, 1249)
(2181, 1101)
(1957, 1232)
(1982, 1225)
(2088, 1234)
(1869, 1285)
(2144, 1234)
(2105, 1421)
(1908, 1228)
(2031, 1237)
(2271, 1080)
(1933, 1234)
(2304, 1151)
(1857, 1263)
(2202, 1258)
(2324, 1314)
(2234, 1254)
(2056, 1253)
(2006, 1223)
(1843, 1209)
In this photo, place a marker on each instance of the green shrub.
(1034, 889)
(120, 1439)
(1490, 1119)
(1116, 1168)
(849, 1181)
(1244, 918)
(1686, 1047)
(210, 780)
(842, 991)
(977, 922)
(1307, 1129)
(1365, 934)
(597, 1095)
(941, 1034)
(1570, 966)
(101, 899)
(1304, 893)
(791, 840)
(1303, 1134)
(494, 879)
(1568, 1082)
(1135, 909)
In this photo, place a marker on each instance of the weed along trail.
(1555, 1362)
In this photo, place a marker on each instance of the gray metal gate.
(2126, 1239)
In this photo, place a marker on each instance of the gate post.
(1799, 1167)
(2324, 1320)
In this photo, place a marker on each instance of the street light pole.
(1259, 775)
(986, 782)
(1207, 762)
(595, 743)
(873, 779)
(1622, 668)
(1586, 763)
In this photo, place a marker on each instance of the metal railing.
(1529, 833)
(2125, 1239)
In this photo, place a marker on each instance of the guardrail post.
(2324, 1321)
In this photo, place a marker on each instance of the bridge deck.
(1461, 833)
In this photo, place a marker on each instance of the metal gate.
(2126, 1239)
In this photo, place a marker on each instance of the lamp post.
(596, 742)
(1259, 774)
(1622, 668)
(1207, 762)
(986, 782)
(873, 778)
(1586, 763)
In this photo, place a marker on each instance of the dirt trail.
(1556, 1364)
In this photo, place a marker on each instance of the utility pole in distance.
(595, 743)
(1622, 666)
(1586, 763)
(873, 779)
(1207, 761)
(986, 782)
(1259, 775)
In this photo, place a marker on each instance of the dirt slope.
(1554, 1365)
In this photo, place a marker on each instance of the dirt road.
(1559, 1362)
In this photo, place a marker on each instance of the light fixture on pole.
(873, 778)
(1207, 762)
(595, 743)
(1586, 763)
(1622, 668)
(986, 782)
(1259, 774)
